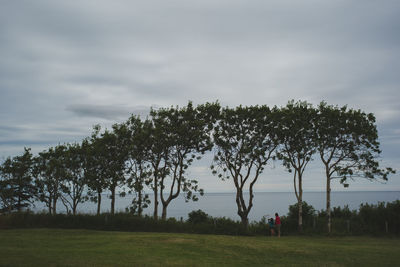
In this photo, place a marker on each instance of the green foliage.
(245, 139)
(198, 216)
(308, 211)
(96, 166)
(186, 137)
(347, 141)
(17, 190)
(74, 182)
(297, 135)
(297, 144)
(138, 168)
(368, 220)
(49, 170)
(158, 152)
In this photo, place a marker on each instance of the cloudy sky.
(67, 65)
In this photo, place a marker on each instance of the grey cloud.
(109, 112)
(8, 129)
(26, 143)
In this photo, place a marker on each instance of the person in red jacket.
(278, 224)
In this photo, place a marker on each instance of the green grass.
(52, 247)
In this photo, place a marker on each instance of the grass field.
(50, 247)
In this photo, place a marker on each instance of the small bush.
(198, 216)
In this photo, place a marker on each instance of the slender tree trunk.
(299, 196)
(50, 202)
(112, 199)
(55, 187)
(155, 190)
(19, 202)
(328, 198)
(300, 203)
(74, 205)
(54, 205)
(140, 209)
(98, 202)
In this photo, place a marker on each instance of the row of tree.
(155, 154)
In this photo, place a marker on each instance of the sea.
(265, 204)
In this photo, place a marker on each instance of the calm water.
(223, 204)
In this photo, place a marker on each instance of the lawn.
(53, 247)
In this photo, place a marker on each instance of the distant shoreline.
(257, 192)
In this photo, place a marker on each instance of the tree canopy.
(155, 154)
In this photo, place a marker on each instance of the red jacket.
(277, 220)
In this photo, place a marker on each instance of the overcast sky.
(67, 65)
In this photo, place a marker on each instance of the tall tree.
(245, 140)
(187, 138)
(158, 152)
(17, 188)
(347, 142)
(7, 198)
(138, 166)
(44, 193)
(49, 170)
(297, 138)
(96, 166)
(74, 182)
(115, 149)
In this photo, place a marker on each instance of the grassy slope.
(44, 247)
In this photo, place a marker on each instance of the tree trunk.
(155, 199)
(164, 212)
(112, 199)
(300, 203)
(242, 211)
(19, 202)
(245, 221)
(98, 202)
(50, 201)
(328, 199)
(54, 205)
(140, 209)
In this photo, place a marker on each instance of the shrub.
(198, 216)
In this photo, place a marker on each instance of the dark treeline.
(382, 219)
(155, 154)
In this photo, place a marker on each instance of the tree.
(157, 156)
(308, 211)
(74, 182)
(17, 189)
(347, 142)
(187, 138)
(245, 140)
(138, 167)
(96, 166)
(116, 148)
(297, 138)
(7, 200)
(49, 170)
